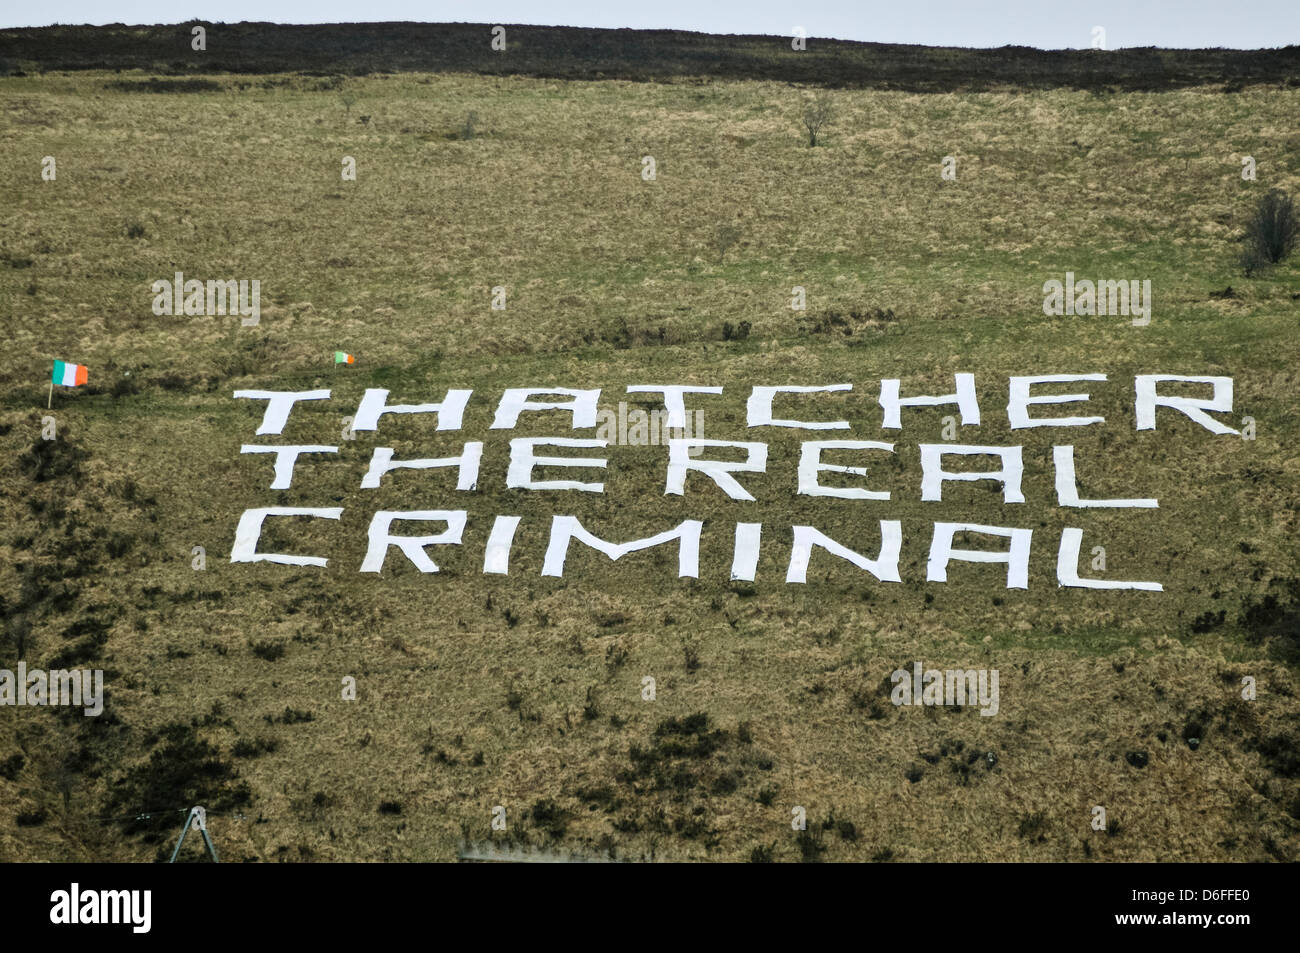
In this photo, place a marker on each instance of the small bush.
(724, 239)
(812, 844)
(10, 767)
(268, 650)
(119, 544)
(731, 332)
(124, 387)
(1270, 232)
(817, 113)
(550, 817)
(50, 459)
(183, 768)
(254, 747)
(1032, 826)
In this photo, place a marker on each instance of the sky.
(1047, 24)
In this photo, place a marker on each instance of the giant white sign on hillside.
(728, 465)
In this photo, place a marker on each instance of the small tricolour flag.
(69, 375)
(341, 358)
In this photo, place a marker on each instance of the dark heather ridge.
(639, 55)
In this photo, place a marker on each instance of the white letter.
(94, 695)
(382, 462)
(516, 400)
(1067, 567)
(141, 915)
(250, 530)
(374, 405)
(281, 402)
(680, 460)
(810, 465)
(565, 528)
(744, 563)
(1067, 487)
(1017, 558)
(59, 912)
(884, 567)
(673, 402)
(412, 546)
(1018, 404)
(285, 458)
(933, 474)
(496, 558)
(1148, 400)
(964, 399)
(758, 410)
(522, 460)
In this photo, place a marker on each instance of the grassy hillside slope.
(525, 691)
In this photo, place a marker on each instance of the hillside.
(477, 690)
(639, 55)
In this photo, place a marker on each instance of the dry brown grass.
(614, 281)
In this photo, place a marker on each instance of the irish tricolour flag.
(69, 375)
(341, 358)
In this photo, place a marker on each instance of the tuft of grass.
(269, 650)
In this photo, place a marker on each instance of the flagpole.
(49, 403)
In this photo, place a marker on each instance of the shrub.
(812, 844)
(817, 112)
(183, 769)
(10, 767)
(550, 817)
(1270, 232)
(1032, 826)
(254, 747)
(118, 545)
(731, 332)
(724, 238)
(49, 459)
(292, 716)
(268, 650)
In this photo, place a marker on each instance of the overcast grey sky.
(1048, 24)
